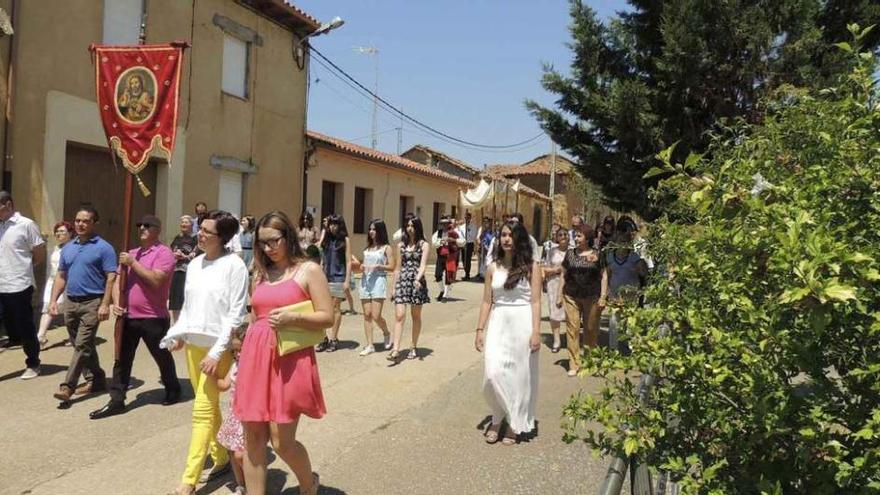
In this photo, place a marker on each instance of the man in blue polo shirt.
(87, 270)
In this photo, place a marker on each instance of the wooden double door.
(91, 177)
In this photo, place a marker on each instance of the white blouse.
(215, 303)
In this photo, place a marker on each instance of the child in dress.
(231, 433)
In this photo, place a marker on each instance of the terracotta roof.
(528, 191)
(387, 158)
(285, 13)
(454, 161)
(537, 166)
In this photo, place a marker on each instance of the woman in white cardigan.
(214, 304)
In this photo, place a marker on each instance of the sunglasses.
(270, 243)
(145, 225)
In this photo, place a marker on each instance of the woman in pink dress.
(274, 391)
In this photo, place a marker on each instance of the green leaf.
(794, 294)
(837, 292)
(864, 434)
(654, 172)
(630, 445)
(843, 45)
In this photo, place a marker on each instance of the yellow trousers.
(206, 416)
(580, 311)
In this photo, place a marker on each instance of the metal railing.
(640, 474)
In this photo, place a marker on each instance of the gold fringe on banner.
(142, 186)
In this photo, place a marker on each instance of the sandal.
(316, 483)
(555, 349)
(44, 344)
(507, 440)
(492, 435)
(393, 355)
(412, 354)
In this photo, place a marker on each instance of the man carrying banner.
(148, 282)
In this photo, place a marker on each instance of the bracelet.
(479, 329)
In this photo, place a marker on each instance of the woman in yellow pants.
(583, 291)
(214, 304)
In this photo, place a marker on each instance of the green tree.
(667, 71)
(769, 363)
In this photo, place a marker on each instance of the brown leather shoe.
(64, 393)
(90, 388)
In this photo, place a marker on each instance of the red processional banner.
(138, 88)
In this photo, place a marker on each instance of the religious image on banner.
(138, 89)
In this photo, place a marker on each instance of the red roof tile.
(285, 13)
(454, 161)
(387, 158)
(537, 166)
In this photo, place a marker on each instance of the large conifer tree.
(668, 71)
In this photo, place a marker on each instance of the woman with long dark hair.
(583, 291)
(410, 286)
(214, 304)
(378, 261)
(336, 261)
(307, 233)
(274, 391)
(605, 233)
(511, 316)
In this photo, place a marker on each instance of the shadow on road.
(347, 345)
(423, 352)
(157, 395)
(45, 370)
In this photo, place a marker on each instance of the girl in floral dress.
(231, 433)
(410, 287)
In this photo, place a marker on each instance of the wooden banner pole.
(119, 324)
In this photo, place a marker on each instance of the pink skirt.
(273, 388)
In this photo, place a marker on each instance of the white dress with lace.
(510, 380)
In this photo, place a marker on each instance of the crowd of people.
(224, 288)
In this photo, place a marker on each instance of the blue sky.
(463, 67)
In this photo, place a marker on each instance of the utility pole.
(552, 185)
(374, 52)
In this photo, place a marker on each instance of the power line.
(412, 128)
(415, 121)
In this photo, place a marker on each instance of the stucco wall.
(55, 102)
(387, 183)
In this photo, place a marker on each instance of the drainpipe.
(6, 177)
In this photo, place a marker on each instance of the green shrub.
(770, 374)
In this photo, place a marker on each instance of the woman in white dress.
(553, 277)
(63, 231)
(511, 316)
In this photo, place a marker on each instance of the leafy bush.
(769, 377)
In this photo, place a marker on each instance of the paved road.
(410, 428)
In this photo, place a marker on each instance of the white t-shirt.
(18, 237)
(468, 232)
(215, 302)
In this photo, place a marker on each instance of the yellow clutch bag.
(290, 338)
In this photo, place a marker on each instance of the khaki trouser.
(81, 319)
(581, 311)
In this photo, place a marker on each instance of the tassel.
(142, 186)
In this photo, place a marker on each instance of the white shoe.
(447, 291)
(30, 373)
(367, 350)
(387, 341)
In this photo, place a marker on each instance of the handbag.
(292, 338)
